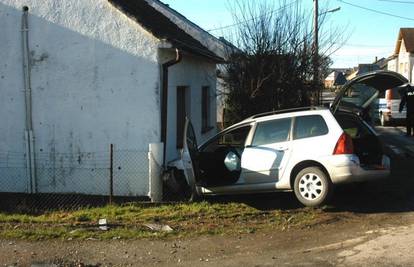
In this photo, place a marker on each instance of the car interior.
(367, 146)
(219, 159)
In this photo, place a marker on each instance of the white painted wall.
(95, 81)
(195, 73)
(393, 65)
(405, 62)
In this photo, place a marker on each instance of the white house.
(404, 54)
(77, 76)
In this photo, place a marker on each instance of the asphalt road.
(395, 139)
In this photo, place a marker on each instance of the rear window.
(357, 95)
(309, 126)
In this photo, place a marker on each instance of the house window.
(182, 113)
(205, 109)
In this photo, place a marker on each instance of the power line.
(397, 1)
(242, 22)
(366, 45)
(375, 11)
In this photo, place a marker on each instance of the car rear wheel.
(312, 187)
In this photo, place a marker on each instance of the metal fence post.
(111, 174)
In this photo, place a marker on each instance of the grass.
(128, 221)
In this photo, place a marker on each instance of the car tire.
(312, 187)
(190, 194)
(185, 192)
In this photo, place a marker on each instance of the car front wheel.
(312, 187)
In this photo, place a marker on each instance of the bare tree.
(272, 68)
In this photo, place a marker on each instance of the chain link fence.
(73, 180)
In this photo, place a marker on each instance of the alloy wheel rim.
(310, 186)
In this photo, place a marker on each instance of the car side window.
(274, 131)
(309, 126)
(234, 138)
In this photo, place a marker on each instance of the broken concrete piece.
(103, 225)
(158, 227)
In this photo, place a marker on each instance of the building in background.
(96, 74)
(335, 78)
(403, 58)
(361, 69)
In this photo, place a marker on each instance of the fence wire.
(72, 180)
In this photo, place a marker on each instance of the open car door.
(357, 94)
(189, 155)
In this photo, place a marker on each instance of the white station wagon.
(305, 150)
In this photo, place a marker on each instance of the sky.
(371, 34)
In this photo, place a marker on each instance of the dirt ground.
(351, 223)
(370, 224)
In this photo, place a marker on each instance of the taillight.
(344, 145)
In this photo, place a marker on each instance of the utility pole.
(316, 50)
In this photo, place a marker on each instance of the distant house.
(403, 60)
(98, 72)
(334, 79)
(382, 62)
(361, 69)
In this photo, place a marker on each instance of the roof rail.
(285, 111)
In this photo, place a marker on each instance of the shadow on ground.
(395, 194)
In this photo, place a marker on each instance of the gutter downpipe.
(164, 100)
(29, 136)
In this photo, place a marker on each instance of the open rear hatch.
(351, 107)
(357, 94)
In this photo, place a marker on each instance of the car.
(388, 104)
(305, 150)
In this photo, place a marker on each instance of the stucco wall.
(393, 65)
(404, 62)
(193, 72)
(95, 81)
